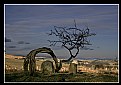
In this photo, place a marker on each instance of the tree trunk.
(31, 62)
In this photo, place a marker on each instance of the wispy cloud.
(23, 42)
(11, 47)
(27, 25)
(7, 40)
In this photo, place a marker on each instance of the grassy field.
(59, 77)
(19, 76)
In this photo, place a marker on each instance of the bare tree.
(30, 61)
(71, 38)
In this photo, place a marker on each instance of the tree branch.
(71, 38)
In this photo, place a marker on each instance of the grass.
(59, 77)
(20, 76)
(14, 63)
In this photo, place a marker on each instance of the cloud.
(33, 22)
(98, 47)
(85, 48)
(7, 40)
(11, 47)
(27, 43)
(22, 42)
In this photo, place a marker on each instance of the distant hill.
(13, 56)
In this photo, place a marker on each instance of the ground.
(18, 75)
(59, 77)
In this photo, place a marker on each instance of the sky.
(26, 28)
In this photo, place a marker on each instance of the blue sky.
(26, 28)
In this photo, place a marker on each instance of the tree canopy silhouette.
(71, 38)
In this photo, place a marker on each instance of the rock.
(47, 67)
(73, 68)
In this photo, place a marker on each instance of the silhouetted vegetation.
(71, 38)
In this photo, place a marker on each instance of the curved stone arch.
(30, 62)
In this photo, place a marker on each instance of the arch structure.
(30, 62)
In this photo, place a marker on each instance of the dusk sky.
(26, 28)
